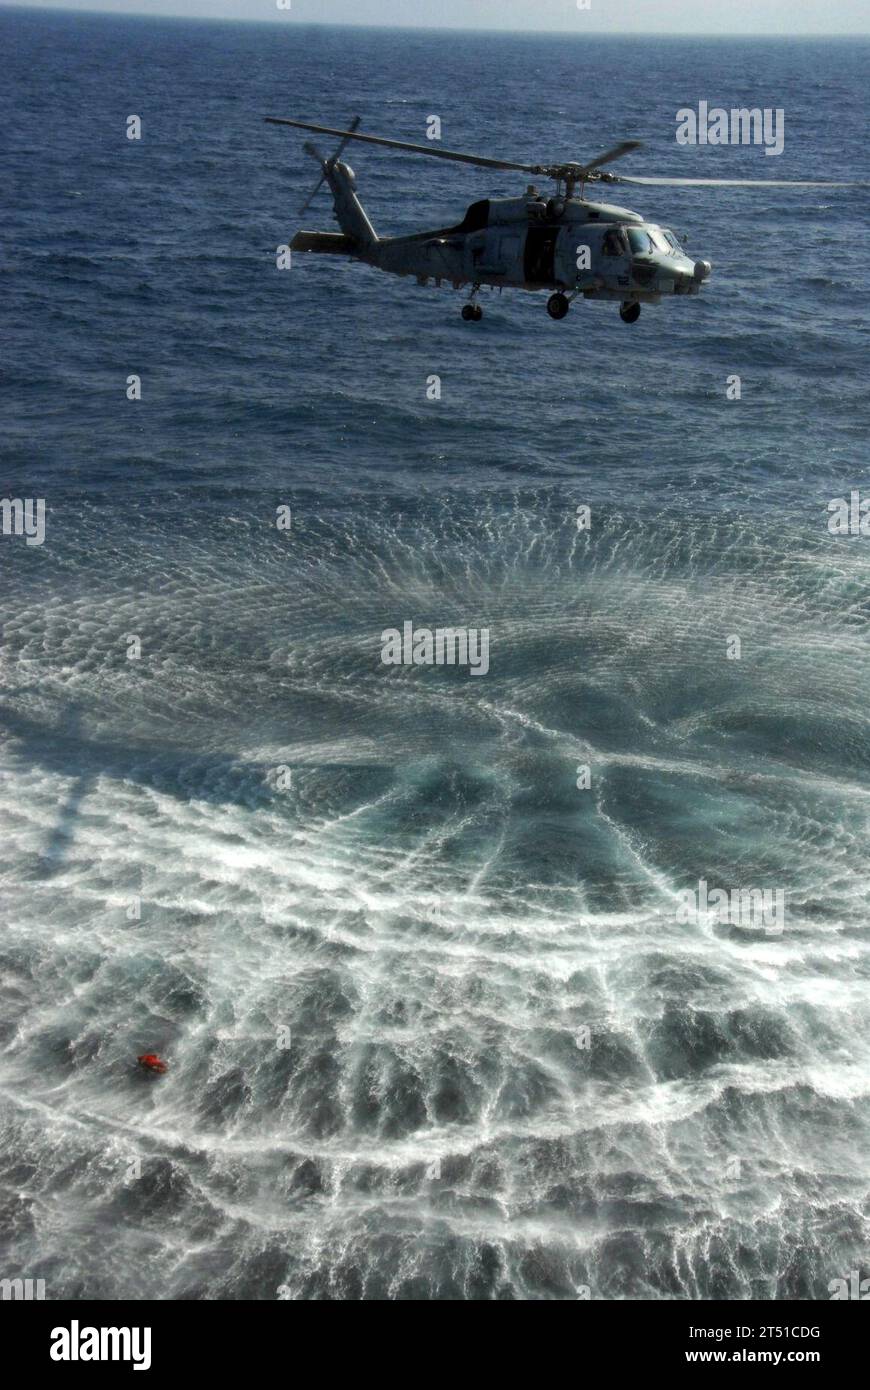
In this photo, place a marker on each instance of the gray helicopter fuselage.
(570, 246)
(573, 246)
(522, 246)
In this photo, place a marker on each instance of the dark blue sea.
(433, 1025)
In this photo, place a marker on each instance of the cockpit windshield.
(639, 241)
(645, 240)
(660, 241)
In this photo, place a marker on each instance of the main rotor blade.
(734, 183)
(340, 151)
(460, 158)
(608, 157)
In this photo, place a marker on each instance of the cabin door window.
(540, 255)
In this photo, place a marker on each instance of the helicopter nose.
(702, 270)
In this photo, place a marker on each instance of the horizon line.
(96, 13)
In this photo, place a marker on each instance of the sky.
(602, 16)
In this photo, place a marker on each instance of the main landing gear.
(558, 306)
(472, 312)
(629, 313)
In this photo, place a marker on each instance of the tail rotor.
(311, 148)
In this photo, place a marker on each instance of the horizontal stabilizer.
(327, 243)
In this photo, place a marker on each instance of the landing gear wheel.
(629, 313)
(558, 306)
(477, 314)
(472, 313)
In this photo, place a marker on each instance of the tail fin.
(349, 211)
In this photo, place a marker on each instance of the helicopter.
(565, 243)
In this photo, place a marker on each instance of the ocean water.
(435, 1029)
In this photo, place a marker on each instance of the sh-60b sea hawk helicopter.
(566, 243)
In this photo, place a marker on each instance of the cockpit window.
(659, 240)
(613, 243)
(673, 241)
(639, 241)
(645, 240)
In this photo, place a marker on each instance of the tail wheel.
(558, 306)
(472, 313)
(629, 313)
